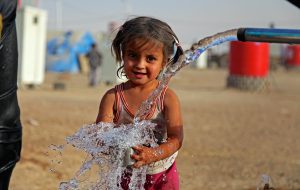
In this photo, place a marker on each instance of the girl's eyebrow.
(129, 49)
(151, 55)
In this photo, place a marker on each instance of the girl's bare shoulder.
(109, 96)
(105, 113)
(110, 92)
(170, 97)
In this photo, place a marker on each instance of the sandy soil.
(232, 137)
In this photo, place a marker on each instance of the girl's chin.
(138, 81)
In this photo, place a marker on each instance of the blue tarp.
(62, 56)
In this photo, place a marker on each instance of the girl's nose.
(140, 63)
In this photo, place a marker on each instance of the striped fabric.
(122, 105)
(123, 115)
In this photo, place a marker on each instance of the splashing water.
(107, 143)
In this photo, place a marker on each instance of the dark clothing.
(95, 58)
(95, 62)
(10, 125)
(9, 156)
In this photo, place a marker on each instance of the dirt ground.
(232, 137)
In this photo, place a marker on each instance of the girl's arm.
(172, 113)
(106, 113)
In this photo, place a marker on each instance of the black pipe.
(295, 2)
(271, 35)
(10, 125)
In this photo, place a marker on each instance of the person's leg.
(98, 75)
(93, 77)
(10, 125)
(5, 178)
(9, 156)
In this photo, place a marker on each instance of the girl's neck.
(141, 87)
(135, 94)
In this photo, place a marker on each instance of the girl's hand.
(143, 156)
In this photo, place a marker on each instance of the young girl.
(144, 46)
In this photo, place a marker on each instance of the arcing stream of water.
(190, 56)
(106, 144)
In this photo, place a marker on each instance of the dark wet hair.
(151, 30)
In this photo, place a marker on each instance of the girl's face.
(143, 61)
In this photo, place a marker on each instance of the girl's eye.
(131, 54)
(151, 58)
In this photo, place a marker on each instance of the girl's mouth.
(139, 75)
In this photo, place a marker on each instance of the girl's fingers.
(138, 148)
(135, 156)
(138, 164)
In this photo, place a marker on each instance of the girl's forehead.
(145, 44)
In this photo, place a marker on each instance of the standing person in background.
(95, 61)
(10, 124)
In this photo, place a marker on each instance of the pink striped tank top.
(124, 116)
